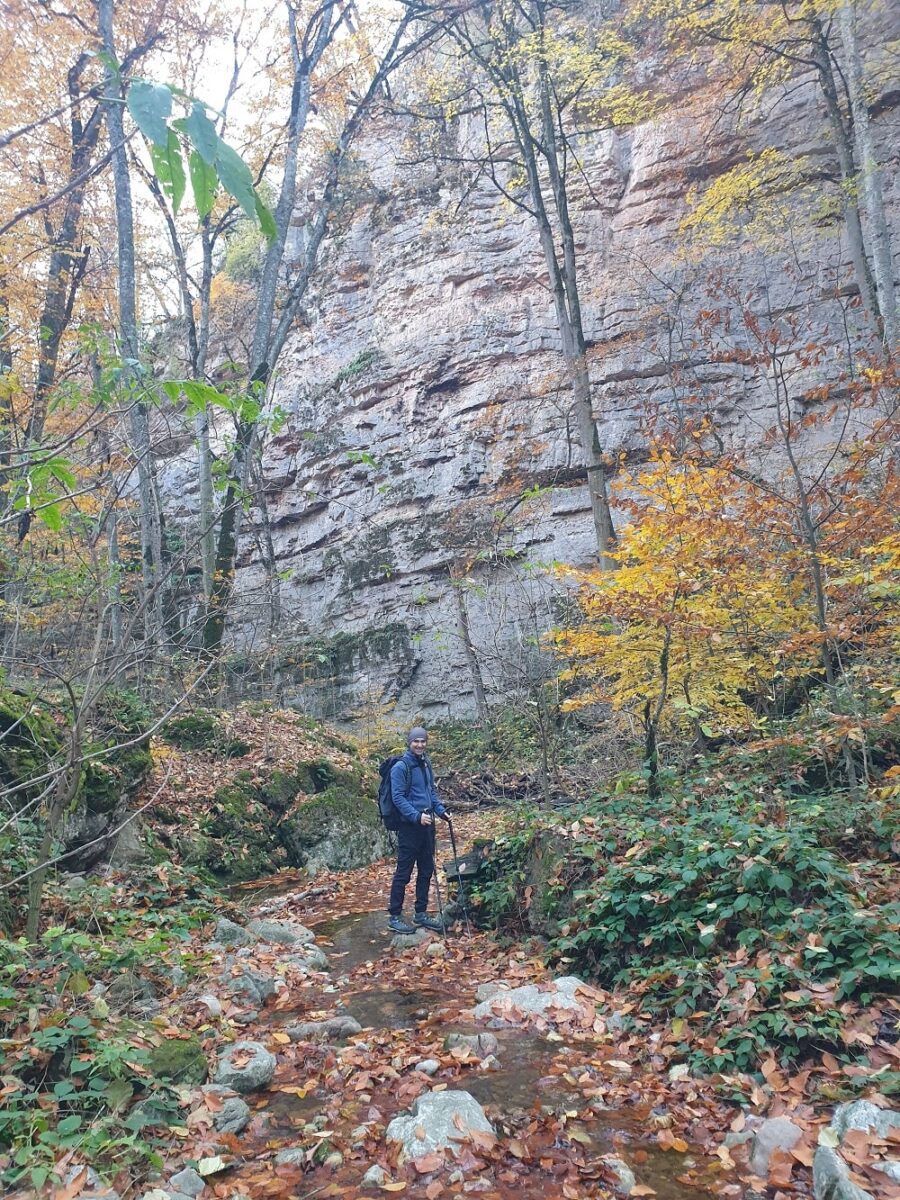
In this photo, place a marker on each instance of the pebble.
(428, 1066)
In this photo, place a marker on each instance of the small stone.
(436, 950)
(156, 1194)
(776, 1133)
(479, 1044)
(831, 1179)
(428, 1066)
(128, 989)
(403, 941)
(234, 1115)
(437, 1121)
(294, 1156)
(375, 1176)
(625, 1179)
(213, 1005)
(251, 1075)
(282, 933)
(229, 933)
(334, 1160)
(679, 1071)
(188, 1181)
(491, 1063)
(333, 1028)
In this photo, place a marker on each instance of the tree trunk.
(844, 150)
(465, 637)
(870, 178)
(128, 335)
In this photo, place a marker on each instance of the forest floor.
(569, 1094)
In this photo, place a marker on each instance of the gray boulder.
(864, 1115)
(334, 1028)
(777, 1133)
(432, 1123)
(479, 1044)
(504, 1006)
(428, 1066)
(403, 941)
(188, 1182)
(228, 933)
(282, 933)
(247, 1076)
(311, 959)
(485, 991)
(831, 1178)
(234, 1115)
(254, 986)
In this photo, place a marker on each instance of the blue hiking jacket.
(412, 787)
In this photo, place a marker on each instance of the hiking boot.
(425, 922)
(398, 925)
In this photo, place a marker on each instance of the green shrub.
(710, 910)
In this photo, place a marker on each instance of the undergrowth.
(72, 1068)
(748, 918)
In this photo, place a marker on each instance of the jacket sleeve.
(438, 807)
(398, 793)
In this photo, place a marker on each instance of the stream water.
(531, 1070)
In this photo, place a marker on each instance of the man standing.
(415, 798)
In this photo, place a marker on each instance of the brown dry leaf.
(680, 1145)
(420, 1132)
(781, 1168)
(642, 1189)
(483, 1140)
(281, 1038)
(514, 1146)
(803, 1153)
(393, 1187)
(71, 1189)
(434, 1189)
(428, 1162)
(738, 1123)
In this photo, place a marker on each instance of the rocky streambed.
(320, 1055)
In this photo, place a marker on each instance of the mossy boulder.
(193, 731)
(335, 831)
(29, 740)
(238, 835)
(180, 1060)
(203, 731)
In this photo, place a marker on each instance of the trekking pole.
(462, 890)
(437, 884)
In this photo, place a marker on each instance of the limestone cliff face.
(425, 394)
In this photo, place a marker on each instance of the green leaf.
(203, 184)
(202, 395)
(266, 219)
(51, 517)
(150, 104)
(170, 169)
(118, 1092)
(39, 1177)
(202, 134)
(235, 177)
(172, 388)
(69, 1124)
(78, 983)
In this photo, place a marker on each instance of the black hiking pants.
(415, 848)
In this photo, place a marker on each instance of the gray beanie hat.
(417, 731)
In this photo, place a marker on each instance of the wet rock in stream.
(438, 1121)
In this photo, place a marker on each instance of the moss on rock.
(337, 830)
(180, 1060)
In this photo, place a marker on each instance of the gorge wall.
(427, 437)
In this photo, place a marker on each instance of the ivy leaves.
(192, 139)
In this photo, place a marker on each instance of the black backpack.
(386, 806)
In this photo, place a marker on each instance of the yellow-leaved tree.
(688, 631)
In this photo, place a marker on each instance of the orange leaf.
(393, 1187)
(642, 1189)
(434, 1189)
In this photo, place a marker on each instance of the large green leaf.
(169, 168)
(202, 133)
(202, 395)
(264, 214)
(235, 177)
(203, 182)
(150, 104)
